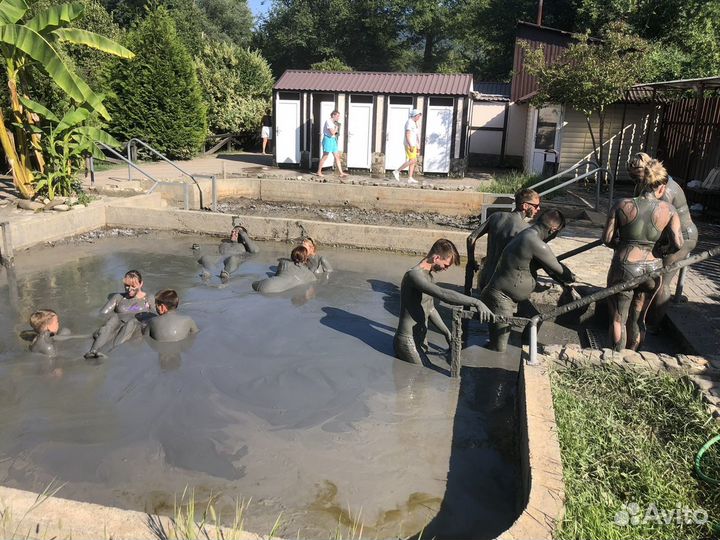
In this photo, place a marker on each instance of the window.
(401, 100)
(546, 129)
(364, 98)
(289, 96)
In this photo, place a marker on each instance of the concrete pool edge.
(541, 462)
(151, 212)
(29, 515)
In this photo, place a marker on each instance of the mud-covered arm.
(435, 318)
(111, 304)
(548, 262)
(610, 231)
(472, 240)
(325, 265)
(250, 245)
(424, 285)
(675, 236)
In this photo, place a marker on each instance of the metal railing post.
(213, 202)
(92, 171)
(129, 160)
(186, 196)
(7, 255)
(532, 327)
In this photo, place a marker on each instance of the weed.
(628, 441)
(511, 182)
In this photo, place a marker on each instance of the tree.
(589, 76)
(237, 85)
(330, 64)
(156, 96)
(32, 42)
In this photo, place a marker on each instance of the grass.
(511, 182)
(12, 527)
(628, 441)
(189, 522)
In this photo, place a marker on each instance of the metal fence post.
(680, 285)
(7, 254)
(213, 203)
(186, 196)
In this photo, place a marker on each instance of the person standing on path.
(412, 146)
(266, 131)
(330, 144)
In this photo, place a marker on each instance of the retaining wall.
(365, 196)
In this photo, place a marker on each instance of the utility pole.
(540, 13)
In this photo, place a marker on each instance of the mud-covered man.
(500, 227)
(417, 287)
(515, 275)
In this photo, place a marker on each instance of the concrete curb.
(542, 475)
(29, 515)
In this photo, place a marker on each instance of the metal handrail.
(595, 170)
(607, 292)
(135, 140)
(158, 182)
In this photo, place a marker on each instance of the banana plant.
(33, 41)
(69, 140)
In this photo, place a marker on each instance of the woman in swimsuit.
(633, 228)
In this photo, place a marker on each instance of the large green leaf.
(93, 40)
(72, 118)
(95, 101)
(36, 107)
(98, 135)
(55, 16)
(36, 47)
(11, 11)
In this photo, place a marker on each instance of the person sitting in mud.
(515, 275)
(46, 324)
(633, 229)
(316, 263)
(122, 310)
(169, 325)
(290, 273)
(674, 195)
(233, 252)
(500, 227)
(417, 293)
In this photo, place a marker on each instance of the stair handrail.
(135, 140)
(158, 182)
(595, 169)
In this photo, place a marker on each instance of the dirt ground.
(346, 214)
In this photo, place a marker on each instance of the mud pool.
(293, 400)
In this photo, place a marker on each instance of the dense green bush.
(237, 85)
(156, 96)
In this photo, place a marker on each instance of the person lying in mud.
(123, 312)
(633, 229)
(417, 293)
(500, 227)
(674, 195)
(316, 263)
(290, 273)
(233, 252)
(515, 275)
(169, 325)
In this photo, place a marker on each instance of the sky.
(259, 7)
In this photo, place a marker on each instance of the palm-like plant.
(23, 42)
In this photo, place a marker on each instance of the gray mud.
(346, 214)
(293, 400)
